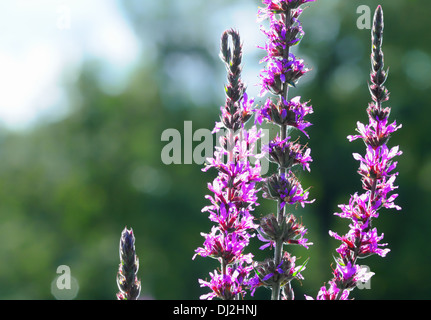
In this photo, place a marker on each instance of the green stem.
(278, 253)
(281, 212)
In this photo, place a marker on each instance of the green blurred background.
(83, 169)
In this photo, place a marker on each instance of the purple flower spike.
(377, 175)
(281, 72)
(233, 192)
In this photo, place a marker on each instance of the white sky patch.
(37, 50)
(25, 83)
(242, 17)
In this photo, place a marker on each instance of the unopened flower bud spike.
(128, 284)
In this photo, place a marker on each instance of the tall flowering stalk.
(234, 189)
(127, 281)
(378, 177)
(282, 71)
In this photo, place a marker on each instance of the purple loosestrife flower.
(377, 174)
(347, 276)
(234, 190)
(127, 281)
(226, 286)
(360, 241)
(286, 189)
(289, 231)
(279, 72)
(269, 274)
(287, 153)
(225, 246)
(286, 113)
(282, 71)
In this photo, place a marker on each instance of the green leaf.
(301, 268)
